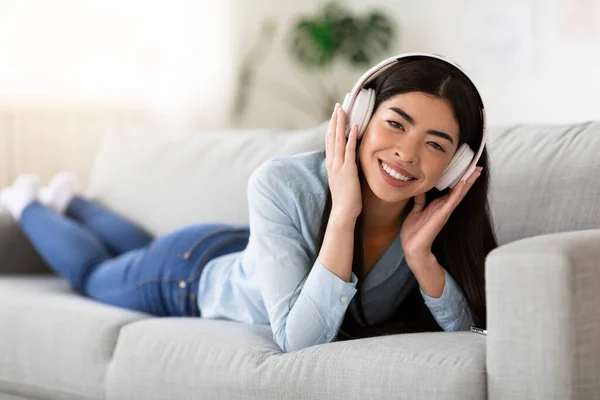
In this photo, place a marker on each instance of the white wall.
(180, 56)
(169, 55)
(527, 65)
(73, 70)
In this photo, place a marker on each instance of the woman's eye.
(437, 146)
(395, 124)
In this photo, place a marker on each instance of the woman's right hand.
(342, 170)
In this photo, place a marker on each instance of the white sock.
(3, 196)
(60, 191)
(23, 192)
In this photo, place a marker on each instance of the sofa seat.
(185, 358)
(92, 351)
(53, 342)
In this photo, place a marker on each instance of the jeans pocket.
(181, 251)
(187, 301)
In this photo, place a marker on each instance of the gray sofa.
(542, 289)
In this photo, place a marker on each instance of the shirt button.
(441, 313)
(329, 335)
(344, 299)
(182, 284)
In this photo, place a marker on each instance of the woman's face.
(412, 135)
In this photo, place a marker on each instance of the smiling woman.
(425, 111)
(373, 246)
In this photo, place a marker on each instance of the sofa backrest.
(163, 183)
(544, 178)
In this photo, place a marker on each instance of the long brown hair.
(467, 237)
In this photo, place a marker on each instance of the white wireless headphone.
(360, 102)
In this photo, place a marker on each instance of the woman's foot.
(3, 196)
(60, 191)
(23, 192)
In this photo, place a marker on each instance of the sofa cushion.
(163, 183)
(545, 179)
(54, 343)
(193, 358)
(17, 255)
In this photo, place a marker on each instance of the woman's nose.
(408, 151)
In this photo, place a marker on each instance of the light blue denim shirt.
(286, 197)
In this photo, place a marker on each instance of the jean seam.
(121, 292)
(143, 283)
(190, 250)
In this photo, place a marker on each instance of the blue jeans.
(109, 259)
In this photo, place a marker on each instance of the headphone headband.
(375, 71)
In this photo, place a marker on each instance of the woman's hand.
(422, 226)
(342, 170)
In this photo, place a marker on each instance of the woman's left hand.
(422, 226)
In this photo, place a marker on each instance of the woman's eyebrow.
(411, 121)
(404, 115)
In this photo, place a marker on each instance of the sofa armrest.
(543, 302)
(17, 255)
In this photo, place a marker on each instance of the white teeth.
(394, 174)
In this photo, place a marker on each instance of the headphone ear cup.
(457, 167)
(361, 112)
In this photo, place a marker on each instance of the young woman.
(351, 242)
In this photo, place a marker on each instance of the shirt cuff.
(330, 294)
(450, 310)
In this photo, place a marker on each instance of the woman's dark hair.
(467, 237)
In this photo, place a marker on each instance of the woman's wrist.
(337, 249)
(430, 275)
(341, 220)
(421, 260)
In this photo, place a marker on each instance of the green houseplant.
(314, 42)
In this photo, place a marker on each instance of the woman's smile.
(399, 180)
